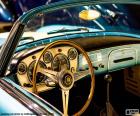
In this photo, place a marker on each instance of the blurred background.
(10, 10)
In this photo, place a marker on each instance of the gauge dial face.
(72, 53)
(22, 68)
(60, 61)
(39, 76)
(47, 57)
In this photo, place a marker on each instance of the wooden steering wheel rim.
(91, 70)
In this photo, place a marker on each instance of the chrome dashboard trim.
(127, 48)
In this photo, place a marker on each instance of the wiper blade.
(69, 30)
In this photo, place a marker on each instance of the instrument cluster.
(54, 59)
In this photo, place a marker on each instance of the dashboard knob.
(101, 65)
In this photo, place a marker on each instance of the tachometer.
(40, 77)
(60, 61)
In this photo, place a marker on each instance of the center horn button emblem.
(67, 80)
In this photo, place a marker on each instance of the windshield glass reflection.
(105, 18)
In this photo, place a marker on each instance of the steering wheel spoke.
(49, 73)
(65, 100)
(81, 74)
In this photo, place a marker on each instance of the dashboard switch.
(95, 67)
(101, 65)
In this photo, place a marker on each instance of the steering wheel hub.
(66, 80)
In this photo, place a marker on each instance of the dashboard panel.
(53, 59)
(104, 60)
(110, 59)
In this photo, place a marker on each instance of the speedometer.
(60, 61)
(40, 77)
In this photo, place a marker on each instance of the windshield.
(81, 19)
(113, 17)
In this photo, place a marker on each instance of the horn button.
(66, 80)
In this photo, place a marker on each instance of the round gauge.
(72, 53)
(22, 68)
(39, 76)
(60, 61)
(47, 57)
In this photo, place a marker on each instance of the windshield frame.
(16, 32)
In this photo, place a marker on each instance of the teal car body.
(13, 98)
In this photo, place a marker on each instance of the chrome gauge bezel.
(49, 59)
(29, 76)
(74, 55)
(66, 58)
(25, 67)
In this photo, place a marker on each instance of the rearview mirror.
(89, 14)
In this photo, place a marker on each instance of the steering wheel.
(65, 78)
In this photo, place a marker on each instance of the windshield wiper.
(69, 30)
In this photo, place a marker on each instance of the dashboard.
(53, 59)
(104, 60)
(113, 58)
